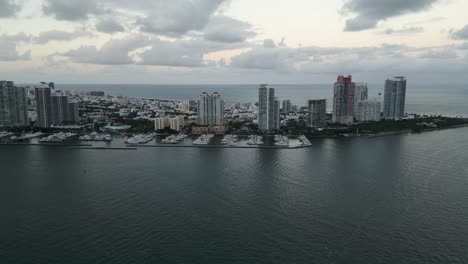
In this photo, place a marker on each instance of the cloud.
(109, 26)
(113, 52)
(8, 8)
(71, 10)
(444, 54)
(58, 35)
(460, 34)
(9, 52)
(226, 29)
(178, 17)
(403, 31)
(183, 53)
(370, 12)
(18, 37)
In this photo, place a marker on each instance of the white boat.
(140, 139)
(59, 137)
(203, 140)
(96, 137)
(304, 141)
(281, 141)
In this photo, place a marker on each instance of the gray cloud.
(19, 37)
(71, 10)
(403, 31)
(8, 8)
(460, 34)
(58, 35)
(109, 26)
(9, 52)
(444, 54)
(226, 29)
(178, 17)
(113, 52)
(183, 53)
(370, 12)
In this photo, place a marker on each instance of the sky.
(232, 41)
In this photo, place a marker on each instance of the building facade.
(60, 109)
(368, 111)
(177, 123)
(44, 107)
(13, 105)
(343, 100)
(317, 113)
(73, 113)
(161, 123)
(268, 109)
(395, 98)
(210, 110)
(361, 93)
(286, 107)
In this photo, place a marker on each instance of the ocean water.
(449, 100)
(396, 199)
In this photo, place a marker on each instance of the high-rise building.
(13, 105)
(286, 107)
(161, 123)
(368, 111)
(60, 109)
(395, 98)
(177, 123)
(276, 114)
(44, 107)
(343, 100)
(268, 109)
(317, 113)
(361, 93)
(73, 113)
(210, 110)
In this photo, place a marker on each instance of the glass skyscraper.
(268, 109)
(395, 98)
(317, 113)
(44, 107)
(13, 105)
(343, 100)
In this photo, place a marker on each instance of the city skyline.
(218, 41)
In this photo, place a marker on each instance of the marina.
(282, 141)
(140, 139)
(96, 137)
(174, 139)
(203, 139)
(57, 138)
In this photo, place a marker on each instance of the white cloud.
(58, 35)
(113, 52)
(9, 52)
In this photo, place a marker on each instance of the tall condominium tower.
(60, 109)
(395, 98)
(13, 105)
(361, 93)
(44, 107)
(343, 100)
(276, 114)
(268, 109)
(73, 112)
(317, 113)
(286, 107)
(210, 110)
